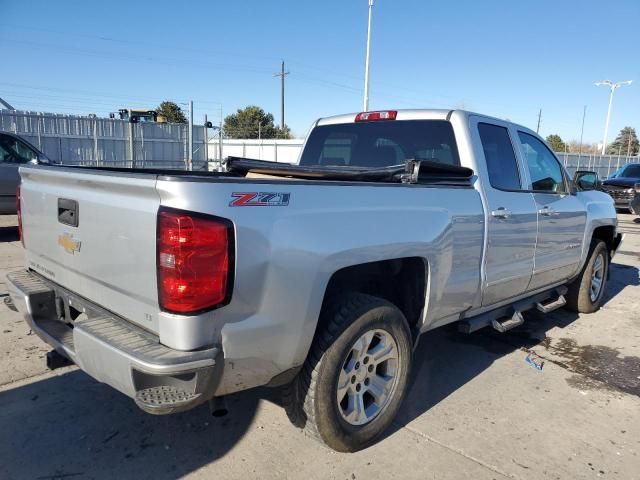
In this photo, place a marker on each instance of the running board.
(508, 316)
(551, 305)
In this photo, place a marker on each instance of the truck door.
(511, 219)
(561, 216)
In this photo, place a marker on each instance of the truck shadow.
(9, 234)
(72, 426)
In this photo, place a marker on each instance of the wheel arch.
(401, 281)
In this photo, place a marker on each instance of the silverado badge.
(70, 245)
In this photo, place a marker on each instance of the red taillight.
(19, 212)
(376, 116)
(193, 262)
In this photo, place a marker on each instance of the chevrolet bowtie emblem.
(70, 245)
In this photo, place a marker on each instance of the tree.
(556, 143)
(253, 122)
(626, 141)
(172, 112)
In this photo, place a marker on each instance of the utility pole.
(612, 88)
(629, 145)
(220, 142)
(281, 74)
(190, 137)
(539, 117)
(365, 105)
(206, 143)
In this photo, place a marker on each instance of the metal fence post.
(131, 146)
(39, 134)
(95, 141)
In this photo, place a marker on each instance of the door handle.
(547, 211)
(501, 213)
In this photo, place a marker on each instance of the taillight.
(19, 212)
(376, 116)
(194, 255)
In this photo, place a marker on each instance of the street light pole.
(612, 88)
(366, 64)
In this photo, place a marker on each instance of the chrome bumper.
(114, 351)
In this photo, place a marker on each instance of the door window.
(501, 160)
(544, 169)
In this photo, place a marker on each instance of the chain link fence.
(603, 165)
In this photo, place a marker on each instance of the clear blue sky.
(504, 58)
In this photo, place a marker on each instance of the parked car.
(624, 187)
(14, 151)
(181, 287)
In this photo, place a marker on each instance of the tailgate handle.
(68, 212)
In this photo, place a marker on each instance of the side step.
(164, 399)
(551, 305)
(504, 324)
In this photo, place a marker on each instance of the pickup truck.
(624, 188)
(178, 288)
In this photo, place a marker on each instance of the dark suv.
(624, 187)
(14, 151)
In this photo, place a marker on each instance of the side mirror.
(42, 159)
(586, 180)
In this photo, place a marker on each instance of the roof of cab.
(416, 114)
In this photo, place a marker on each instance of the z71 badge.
(261, 199)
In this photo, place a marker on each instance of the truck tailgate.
(110, 256)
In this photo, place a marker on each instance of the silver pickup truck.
(180, 287)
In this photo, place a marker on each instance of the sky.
(504, 58)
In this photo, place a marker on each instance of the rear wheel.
(586, 292)
(356, 375)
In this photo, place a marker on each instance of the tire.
(580, 297)
(338, 354)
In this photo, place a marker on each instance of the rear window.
(381, 144)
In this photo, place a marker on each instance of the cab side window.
(500, 157)
(544, 169)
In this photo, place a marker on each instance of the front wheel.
(586, 292)
(356, 375)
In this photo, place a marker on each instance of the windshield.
(631, 171)
(381, 144)
(14, 151)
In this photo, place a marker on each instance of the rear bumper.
(160, 379)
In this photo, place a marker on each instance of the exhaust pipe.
(56, 360)
(218, 406)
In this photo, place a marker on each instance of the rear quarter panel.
(286, 255)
